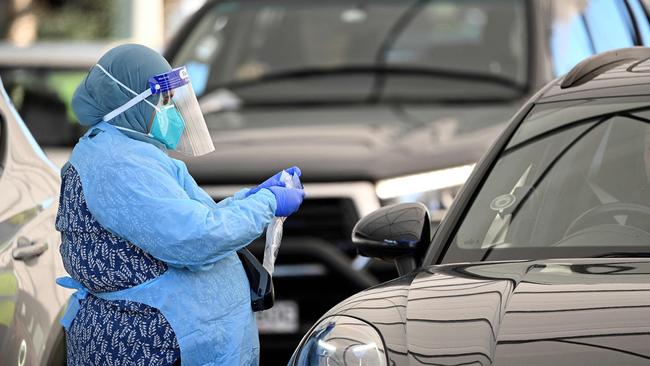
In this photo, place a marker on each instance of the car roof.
(619, 73)
(54, 55)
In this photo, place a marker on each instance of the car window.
(482, 37)
(569, 42)
(609, 24)
(246, 41)
(42, 97)
(560, 193)
(583, 28)
(642, 20)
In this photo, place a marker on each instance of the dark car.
(31, 303)
(544, 257)
(378, 102)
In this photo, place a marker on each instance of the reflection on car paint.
(513, 313)
(30, 301)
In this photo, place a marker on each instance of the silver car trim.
(300, 270)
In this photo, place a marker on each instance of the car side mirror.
(400, 232)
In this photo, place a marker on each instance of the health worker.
(151, 255)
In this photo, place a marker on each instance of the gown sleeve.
(140, 197)
(197, 193)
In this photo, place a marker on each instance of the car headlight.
(342, 340)
(435, 189)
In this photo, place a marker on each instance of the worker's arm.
(141, 200)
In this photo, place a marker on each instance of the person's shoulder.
(111, 148)
(179, 164)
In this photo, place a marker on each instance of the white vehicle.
(31, 303)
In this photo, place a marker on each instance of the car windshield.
(570, 183)
(306, 51)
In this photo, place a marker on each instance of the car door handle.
(27, 249)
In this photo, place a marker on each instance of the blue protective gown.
(138, 193)
(102, 330)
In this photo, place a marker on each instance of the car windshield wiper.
(377, 70)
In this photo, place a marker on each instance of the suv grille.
(330, 219)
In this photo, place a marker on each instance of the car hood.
(555, 312)
(347, 143)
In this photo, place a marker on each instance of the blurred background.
(47, 46)
(378, 102)
(24, 22)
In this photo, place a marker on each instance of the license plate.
(281, 318)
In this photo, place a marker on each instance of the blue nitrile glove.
(288, 200)
(275, 181)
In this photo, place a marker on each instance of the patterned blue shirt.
(114, 333)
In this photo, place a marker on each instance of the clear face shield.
(178, 122)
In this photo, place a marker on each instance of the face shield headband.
(178, 122)
(126, 106)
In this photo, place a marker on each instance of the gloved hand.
(288, 200)
(275, 181)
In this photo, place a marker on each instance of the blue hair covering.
(98, 94)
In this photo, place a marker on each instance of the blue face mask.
(168, 126)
